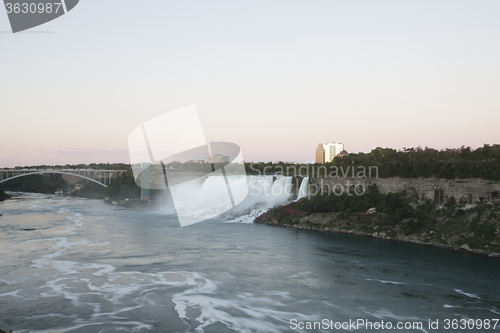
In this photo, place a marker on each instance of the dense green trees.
(463, 162)
(417, 162)
(122, 188)
(90, 190)
(47, 183)
(393, 204)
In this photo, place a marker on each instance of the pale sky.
(275, 77)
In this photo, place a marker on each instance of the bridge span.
(101, 177)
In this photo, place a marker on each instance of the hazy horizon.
(275, 78)
(246, 161)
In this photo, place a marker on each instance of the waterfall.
(304, 188)
(264, 190)
(253, 195)
(263, 194)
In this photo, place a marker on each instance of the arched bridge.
(100, 177)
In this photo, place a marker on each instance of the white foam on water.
(386, 282)
(63, 210)
(60, 290)
(298, 275)
(199, 305)
(15, 281)
(73, 222)
(467, 294)
(384, 314)
(109, 294)
(122, 325)
(12, 293)
(209, 309)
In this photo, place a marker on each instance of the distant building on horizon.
(320, 154)
(343, 153)
(218, 158)
(325, 153)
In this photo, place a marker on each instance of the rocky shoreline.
(463, 230)
(4, 196)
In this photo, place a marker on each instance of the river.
(93, 267)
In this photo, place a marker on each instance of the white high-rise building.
(332, 150)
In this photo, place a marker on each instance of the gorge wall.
(465, 191)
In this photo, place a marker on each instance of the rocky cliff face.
(469, 223)
(475, 230)
(465, 191)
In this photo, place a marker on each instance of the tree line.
(47, 183)
(462, 162)
(120, 188)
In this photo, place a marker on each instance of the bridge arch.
(49, 171)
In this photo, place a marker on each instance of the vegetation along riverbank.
(394, 216)
(3, 195)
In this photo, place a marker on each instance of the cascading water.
(281, 189)
(263, 193)
(304, 188)
(256, 195)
